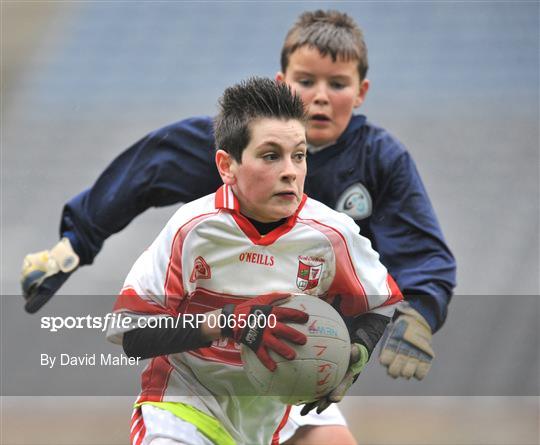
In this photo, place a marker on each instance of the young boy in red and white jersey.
(194, 391)
(355, 167)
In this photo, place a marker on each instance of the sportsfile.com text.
(121, 321)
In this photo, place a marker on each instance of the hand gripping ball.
(320, 364)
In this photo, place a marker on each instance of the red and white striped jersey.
(209, 255)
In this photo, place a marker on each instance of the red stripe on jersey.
(226, 199)
(346, 282)
(142, 433)
(204, 300)
(395, 292)
(275, 437)
(219, 200)
(137, 423)
(155, 379)
(131, 301)
(174, 289)
(265, 240)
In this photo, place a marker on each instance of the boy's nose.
(289, 172)
(321, 95)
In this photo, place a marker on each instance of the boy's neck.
(266, 227)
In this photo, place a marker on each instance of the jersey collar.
(226, 199)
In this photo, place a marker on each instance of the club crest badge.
(201, 270)
(355, 201)
(308, 275)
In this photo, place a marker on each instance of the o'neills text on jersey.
(257, 258)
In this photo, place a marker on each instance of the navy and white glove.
(43, 273)
(407, 351)
(358, 360)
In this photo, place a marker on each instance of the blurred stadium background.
(457, 82)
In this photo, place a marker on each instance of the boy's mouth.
(289, 195)
(319, 117)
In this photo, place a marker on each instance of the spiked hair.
(250, 100)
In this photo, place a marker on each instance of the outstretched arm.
(408, 237)
(410, 241)
(171, 165)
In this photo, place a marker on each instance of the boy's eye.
(305, 82)
(299, 156)
(270, 156)
(337, 85)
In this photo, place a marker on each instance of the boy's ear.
(226, 167)
(280, 77)
(364, 87)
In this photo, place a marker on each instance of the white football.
(320, 364)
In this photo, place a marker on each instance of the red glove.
(258, 323)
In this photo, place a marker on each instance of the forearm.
(150, 342)
(409, 239)
(95, 214)
(426, 281)
(170, 165)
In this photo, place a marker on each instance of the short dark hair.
(331, 32)
(250, 100)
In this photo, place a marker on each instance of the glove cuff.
(416, 330)
(65, 257)
(407, 309)
(363, 356)
(252, 336)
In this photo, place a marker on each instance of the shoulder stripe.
(174, 289)
(346, 281)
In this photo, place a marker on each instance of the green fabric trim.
(208, 425)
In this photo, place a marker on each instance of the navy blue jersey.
(367, 174)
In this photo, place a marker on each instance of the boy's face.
(330, 91)
(269, 182)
